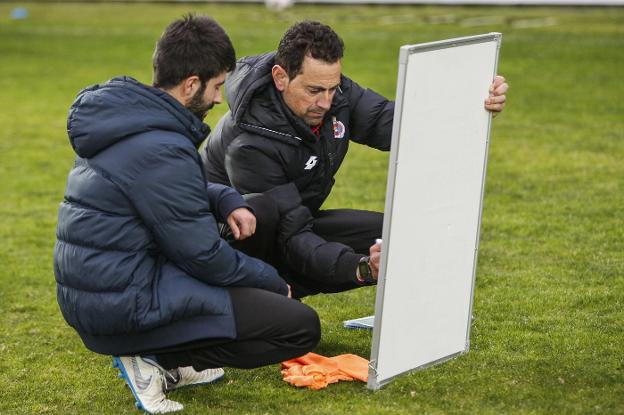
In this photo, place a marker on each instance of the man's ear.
(189, 86)
(280, 77)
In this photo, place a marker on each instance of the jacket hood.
(266, 114)
(252, 73)
(104, 114)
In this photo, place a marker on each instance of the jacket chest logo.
(338, 127)
(311, 163)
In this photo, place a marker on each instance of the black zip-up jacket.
(260, 146)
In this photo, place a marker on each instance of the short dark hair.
(193, 45)
(308, 38)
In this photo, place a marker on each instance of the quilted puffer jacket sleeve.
(305, 251)
(371, 116)
(244, 159)
(223, 200)
(171, 197)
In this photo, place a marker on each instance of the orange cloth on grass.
(316, 371)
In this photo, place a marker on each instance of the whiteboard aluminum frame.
(405, 51)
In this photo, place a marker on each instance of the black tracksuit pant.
(354, 228)
(270, 327)
(357, 229)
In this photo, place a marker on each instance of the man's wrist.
(358, 277)
(364, 273)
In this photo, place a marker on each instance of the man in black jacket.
(292, 114)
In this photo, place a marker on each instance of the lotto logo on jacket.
(311, 163)
(260, 144)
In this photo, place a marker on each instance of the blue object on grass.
(19, 13)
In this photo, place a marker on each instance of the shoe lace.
(172, 378)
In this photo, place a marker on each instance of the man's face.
(208, 94)
(310, 93)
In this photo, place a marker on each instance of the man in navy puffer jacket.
(141, 271)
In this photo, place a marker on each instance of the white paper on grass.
(433, 204)
(360, 323)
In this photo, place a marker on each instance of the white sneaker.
(146, 380)
(185, 376)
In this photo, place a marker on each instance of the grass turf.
(549, 299)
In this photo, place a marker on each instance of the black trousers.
(357, 229)
(354, 228)
(270, 328)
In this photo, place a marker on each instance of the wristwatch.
(364, 274)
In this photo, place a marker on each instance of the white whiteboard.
(433, 204)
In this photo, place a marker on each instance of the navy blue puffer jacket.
(138, 260)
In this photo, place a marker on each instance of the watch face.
(364, 268)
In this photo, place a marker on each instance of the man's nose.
(324, 100)
(218, 98)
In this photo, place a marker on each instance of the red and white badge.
(339, 128)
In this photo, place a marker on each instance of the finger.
(234, 227)
(375, 272)
(374, 264)
(248, 229)
(498, 80)
(495, 99)
(252, 225)
(375, 257)
(243, 233)
(247, 223)
(244, 229)
(495, 107)
(500, 90)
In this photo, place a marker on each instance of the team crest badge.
(339, 128)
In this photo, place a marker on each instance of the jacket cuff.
(229, 203)
(346, 267)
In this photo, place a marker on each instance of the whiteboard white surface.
(433, 204)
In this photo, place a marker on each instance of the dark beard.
(197, 105)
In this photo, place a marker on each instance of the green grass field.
(548, 334)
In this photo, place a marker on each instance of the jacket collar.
(258, 107)
(105, 114)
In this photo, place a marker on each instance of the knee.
(376, 222)
(311, 325)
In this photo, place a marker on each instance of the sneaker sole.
(117, 363)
